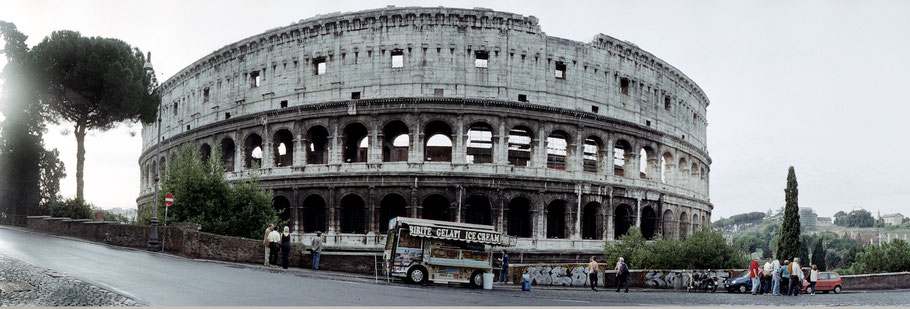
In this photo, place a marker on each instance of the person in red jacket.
(753, 273)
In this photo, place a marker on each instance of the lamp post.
(154, 244)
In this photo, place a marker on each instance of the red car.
(827, 281)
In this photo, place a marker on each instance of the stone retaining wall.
(186, 240)
(574, 274)
(877, 281)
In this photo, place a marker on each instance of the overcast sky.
(819, 85)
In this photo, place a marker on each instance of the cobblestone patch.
(34, 286)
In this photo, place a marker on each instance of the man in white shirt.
(775, 277)
(766, 277)
(274, 243)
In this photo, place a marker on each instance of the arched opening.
(162, 165)
(666, 165)
(252, 147)
(352, 214)
(479, 144)
(648, 222)
(683, 225)
(592, 154)
(317, 139)
(556, 219)
(695, 176)
(647, 163)
(391, 206)
(438, 146)
(695, 222)
(519, 217)
(683, 174)
(205, 152)
(704, 180)
(283, 207)
(227, 154)
(478, 210)
(520, 146)
(313, 215)
(436, 207)
(557, 150)
(592, 221)
(395, 142)
(356, 141)
(623, 219)
(283, 149)
(668, 224)
(622, 159)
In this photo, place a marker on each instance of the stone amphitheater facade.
(469, 115)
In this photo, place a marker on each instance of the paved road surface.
(164, 280)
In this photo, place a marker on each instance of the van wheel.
(477, 279)
(837, 290)
(417, 274)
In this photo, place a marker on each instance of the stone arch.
(205, 151)
(313, 214)
(252, 151)
(622, 159)
(623, 219)
(479, 143)
(352, 217)
(703, 180)
(355, 140)
(283, 148)
(282, 206)
(520, 143)
(592, 149)
(683, 225)
(228, 150)
(695, 222)
(478, 210)
(557, 149)
(694, 184)
(683, 171)
(648, 222)
(396, 141)
(439, 142)
(666, 166)
(648, 165)
(392, 205)
(556, 219)
(668, 224)
(317, 141)
(436, 207)
(592, 221)
(518, 213)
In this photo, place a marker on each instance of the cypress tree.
(788, 246)
(818, 255)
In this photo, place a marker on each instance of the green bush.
(704, 249)
(72, 208)
(892, 256)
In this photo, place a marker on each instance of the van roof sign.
(485, 234)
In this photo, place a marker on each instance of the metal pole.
(164, 239)
(154, 244)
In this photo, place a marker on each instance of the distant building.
(807, 219)
(893, 219)
(824, 221)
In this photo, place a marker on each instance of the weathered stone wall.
(574, 274)
(877, 281)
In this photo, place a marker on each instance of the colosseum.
(467, 115)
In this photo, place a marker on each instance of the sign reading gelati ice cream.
(457, 234)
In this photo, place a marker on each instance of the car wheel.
(417, 275)
(837, 290)
(477, 279)
(742, 288)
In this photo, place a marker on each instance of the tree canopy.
(789, 244)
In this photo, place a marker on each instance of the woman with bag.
(592, 274)
(285, 246)
(813, 278)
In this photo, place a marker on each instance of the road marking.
(571, 301)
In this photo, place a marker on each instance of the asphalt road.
(165, 280)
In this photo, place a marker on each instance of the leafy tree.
(707, 249)
(804, 249)
(840, 218)
(628, 244)
(21, 145)
(704, 249)
(73, 208)
(818, 255)
(859, 218)
(52, 170)
(788, 245)
(832, 259)
(749, 243)
(203, 195)
(892, 256)
(94, 83)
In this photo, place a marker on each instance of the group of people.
(275, 243)
(622, 274)
(778, 278)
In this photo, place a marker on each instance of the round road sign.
(168, 199)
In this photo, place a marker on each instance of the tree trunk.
(80, 160)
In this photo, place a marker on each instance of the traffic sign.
(168, 199)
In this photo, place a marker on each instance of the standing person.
(795, 276)
(785, 277)
(316, 246)
(813, 278)
(265, 243)
(753, 274)
(622, 275)
(775, 277)
(285, 246)
(504, 271)
(274, 246)
(766, 277)
(592, 274)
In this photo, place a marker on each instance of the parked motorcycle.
(701, 283)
